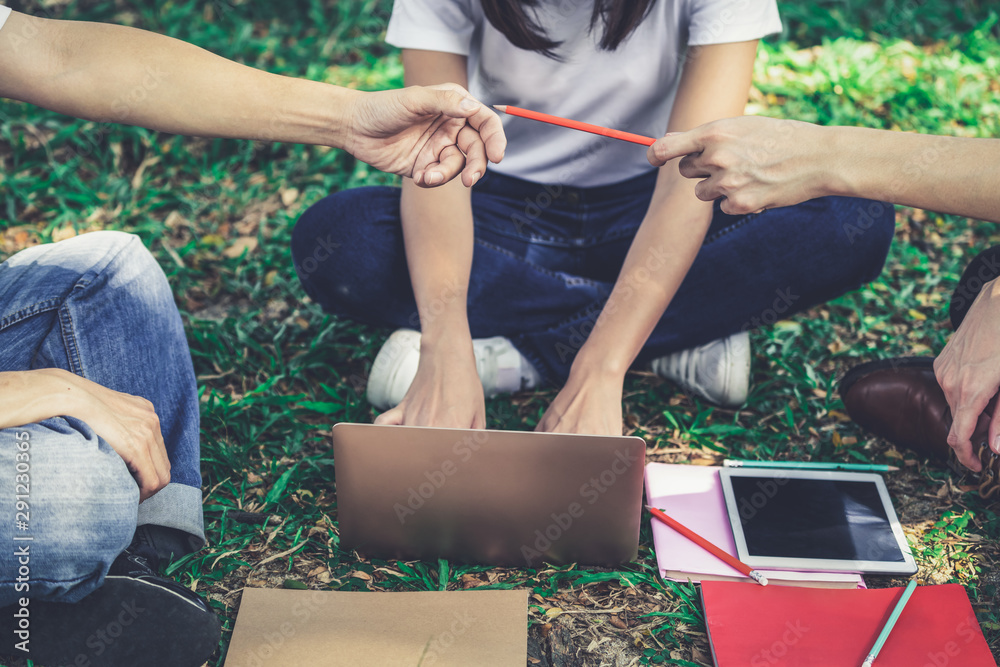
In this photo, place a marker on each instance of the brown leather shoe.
(900, 400)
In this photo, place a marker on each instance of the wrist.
(444, 320)
(341, 108)
(838, 177)
(28, 397)
(593, 365)
(445, 337)
(66, 390)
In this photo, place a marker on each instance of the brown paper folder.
(291, 628)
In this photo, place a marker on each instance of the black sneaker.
(134, 619)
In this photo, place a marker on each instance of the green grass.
(276, 373)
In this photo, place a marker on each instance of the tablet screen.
(814, 518)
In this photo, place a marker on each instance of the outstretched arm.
(713, 85)
(757, 163)
(113, 73)
(438, 233)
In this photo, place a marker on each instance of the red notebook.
(778, 626)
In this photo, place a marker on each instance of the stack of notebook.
(693, 496)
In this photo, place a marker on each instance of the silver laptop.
(508, 498)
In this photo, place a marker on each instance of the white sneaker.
(501, 368)
(718, 371)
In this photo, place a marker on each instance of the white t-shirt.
(631, 88)
(4, 13)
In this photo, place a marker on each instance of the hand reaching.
(586, 406)
(429, 134)
(445, 393)
(750, 162)
(968, 370)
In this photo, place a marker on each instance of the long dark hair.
(514, 19)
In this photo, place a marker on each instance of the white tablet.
(815, 520)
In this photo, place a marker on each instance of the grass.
(275, 372)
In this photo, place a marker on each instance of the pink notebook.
(693, 496)
(815, 627)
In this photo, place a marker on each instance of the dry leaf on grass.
(241, 244)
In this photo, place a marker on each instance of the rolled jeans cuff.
(176, 506)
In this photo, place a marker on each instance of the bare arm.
(713, 85)
(127, 423)
(119, 74)
(760, 163)
(438, 232)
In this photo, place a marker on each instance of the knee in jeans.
(81, 474)
(869, 227)
(132, 260)
(315, 235)
(133, 250)
(108, 242)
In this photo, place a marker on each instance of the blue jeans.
(99, 306)
(547, 256)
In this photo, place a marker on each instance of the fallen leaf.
(63, 233)
(175, 221)
(241, 244)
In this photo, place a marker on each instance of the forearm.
(661, 254)
(438, 233)
(113, 73)
(437, 225)
(715, 85)
(948, 174)
(27, 397)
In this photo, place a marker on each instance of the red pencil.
(708, 546)
(575, 124)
